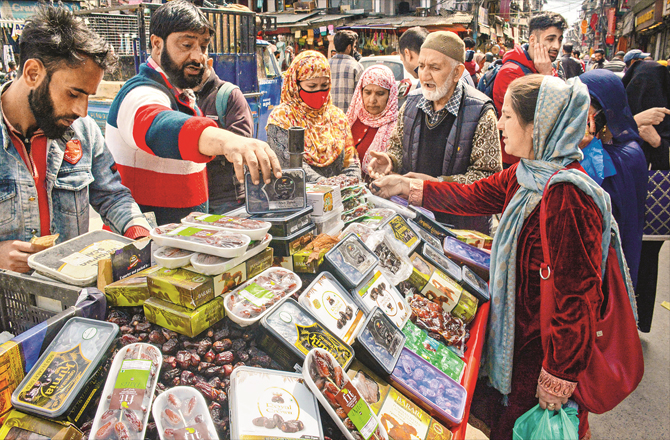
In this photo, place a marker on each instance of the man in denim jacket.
(54, 161)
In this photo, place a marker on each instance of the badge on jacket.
(73, 151)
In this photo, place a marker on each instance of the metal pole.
(296, 146)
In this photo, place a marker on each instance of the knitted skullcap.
(447, 43)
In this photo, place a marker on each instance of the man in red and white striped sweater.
(158, 136)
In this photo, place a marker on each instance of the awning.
(290, 18)
(458, 22)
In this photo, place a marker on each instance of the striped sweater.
(153, 131)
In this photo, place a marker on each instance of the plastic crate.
(19, 295)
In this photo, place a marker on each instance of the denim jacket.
(70, 188)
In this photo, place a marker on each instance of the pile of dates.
(430, 383)
(204, 362)
(439, 324)
(277, 421)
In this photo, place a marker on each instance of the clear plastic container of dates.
(425, 235)
(290, 332)
(429, 388)
(350, 261)
(212, 265)
(287, 193)
(379, 343)
(401, 231)
(255, 229)
(172, 258)
(475, 285)
(182, 413)
(437, 258)
(462, 253)
(326, 299)
(82, 344)
(123, 411)
(260, 295)
(340, 398)
(272, 405)
(207, 241)
(377, 291)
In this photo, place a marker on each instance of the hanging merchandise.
(323, 30)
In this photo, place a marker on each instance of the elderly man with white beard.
(446, 130)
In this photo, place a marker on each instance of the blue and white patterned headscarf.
(560, 123)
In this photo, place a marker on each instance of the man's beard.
(441, 91)
(177, 75)
(42, 107)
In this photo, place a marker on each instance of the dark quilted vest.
(457, 152)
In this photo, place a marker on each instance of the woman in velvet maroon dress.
(543, 119)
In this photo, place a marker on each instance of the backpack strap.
(222, 97)
(526, 70)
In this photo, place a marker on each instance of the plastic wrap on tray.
(272, 405)
(425, 235)
(379, 342)
(439, 324)
(182, 413)
(351, 261)
(208, 241)
(475, 285)
(286, 193)
(212, 265)
(437, 257)
(79, 348)
(172, 258)
(291, 332)
(351, 202)
(402, 418)
(433, 351)
(123, 411)
(377, 217)
(377, 291)
(340, 398)
(286, 223)
(326, 299)
(475, 258)
(429, 388)
(363, 232)
(328, 221)
(392, 260)
(400, 230)
(255, 229)
(75, 261)
(450, 296)
(255, 298)
(340, 181)
(356, 214)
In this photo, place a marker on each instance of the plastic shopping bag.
(540, 424)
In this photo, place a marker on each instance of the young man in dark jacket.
(225, 191)
(546, 37)
(567, 66)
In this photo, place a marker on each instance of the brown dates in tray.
(205, 362)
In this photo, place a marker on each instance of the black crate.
(18, 303)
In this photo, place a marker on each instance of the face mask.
(316, 100)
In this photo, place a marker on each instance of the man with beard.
(446, 131)
(544, 42)
(156, 132)
(54, 162)
(598, 60)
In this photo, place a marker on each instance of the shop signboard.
(21, 10)
(645, 18)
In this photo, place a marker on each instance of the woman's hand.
(548, 400)
(380, 165)
(421, 176)
(391, 185)
(652, 116)
(649, 134)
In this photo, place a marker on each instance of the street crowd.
(549, 143)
